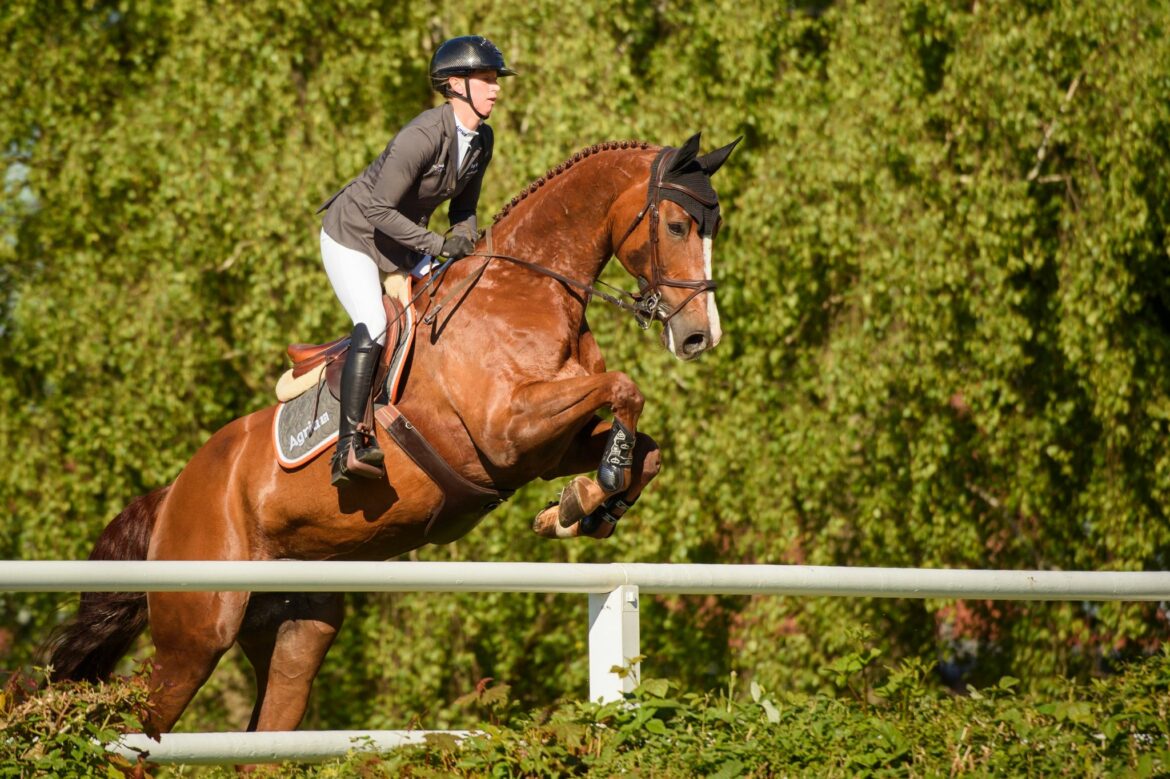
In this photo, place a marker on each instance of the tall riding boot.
(358, 453)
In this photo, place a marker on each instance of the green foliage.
(944, 285)
(909, 729)
(60, 730)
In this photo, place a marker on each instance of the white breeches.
(358, 284)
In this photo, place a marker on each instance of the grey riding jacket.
(384, 211)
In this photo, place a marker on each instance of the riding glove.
(456, 247)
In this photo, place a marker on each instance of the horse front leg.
(539, 414)
(584, 509)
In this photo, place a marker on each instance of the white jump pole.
(613, 588)
(650, 578)
(309, 746)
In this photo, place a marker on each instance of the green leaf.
(655, 687)
(656, 726)
(729, 769)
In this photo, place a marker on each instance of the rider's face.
(485, 88)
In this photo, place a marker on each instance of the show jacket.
(385, 210)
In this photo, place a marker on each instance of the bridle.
(646, 305)
(649, 297)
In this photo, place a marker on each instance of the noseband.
(648, 301)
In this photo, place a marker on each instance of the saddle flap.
(310, 361)
(395, 316)
(339, 351)
(306, 357)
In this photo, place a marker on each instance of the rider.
(378, 222)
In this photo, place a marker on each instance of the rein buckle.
(646, 309)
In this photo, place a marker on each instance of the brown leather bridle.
(647, 304)
(648, 301)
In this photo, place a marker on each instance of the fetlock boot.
(358, 453)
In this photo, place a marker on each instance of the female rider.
(378, 222)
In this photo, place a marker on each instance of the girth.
(462, 499)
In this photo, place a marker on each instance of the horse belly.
(307, 518)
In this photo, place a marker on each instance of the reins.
(645, 305)
(640, 311)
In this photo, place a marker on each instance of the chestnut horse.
(505, 383)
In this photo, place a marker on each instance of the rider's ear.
(712, 161)
(686, 153)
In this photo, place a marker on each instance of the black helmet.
(463, 56)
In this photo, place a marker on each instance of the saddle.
(313, 358)
(310, 361)
(306, 419)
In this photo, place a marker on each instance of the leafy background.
(944, 281)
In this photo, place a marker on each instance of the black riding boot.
(358, 453)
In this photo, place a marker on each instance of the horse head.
(673, 219)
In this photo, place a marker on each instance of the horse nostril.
(695, 343)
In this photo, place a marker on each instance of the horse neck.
(567, 223)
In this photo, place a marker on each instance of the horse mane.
(564, 166)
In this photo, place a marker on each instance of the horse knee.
(626, 399)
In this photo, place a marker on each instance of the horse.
(505, 382)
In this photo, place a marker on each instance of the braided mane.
(559, 169)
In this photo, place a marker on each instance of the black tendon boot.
(357, 452)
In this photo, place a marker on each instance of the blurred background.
(943, 278)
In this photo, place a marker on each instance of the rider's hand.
(456, 247)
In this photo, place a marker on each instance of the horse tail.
(89, 646)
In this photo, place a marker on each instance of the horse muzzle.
(688, 342)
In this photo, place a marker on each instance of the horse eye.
(677, 229)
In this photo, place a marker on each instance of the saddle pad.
(305, 426)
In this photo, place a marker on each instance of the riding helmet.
(463, 56)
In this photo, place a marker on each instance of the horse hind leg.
(191, 631)
(286, 636)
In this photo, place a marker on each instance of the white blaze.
(712, 311)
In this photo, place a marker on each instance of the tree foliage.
(944, 282)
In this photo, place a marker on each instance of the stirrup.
(346, 465)
(367, 450)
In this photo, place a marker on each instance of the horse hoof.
(580, 499)
(547, 524)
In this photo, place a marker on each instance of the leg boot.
(365, 442)
(357, 452)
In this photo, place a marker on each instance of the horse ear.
(713, 161)
(686, 153)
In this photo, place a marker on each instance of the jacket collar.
(451, 135)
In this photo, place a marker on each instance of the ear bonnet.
(686, 180)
